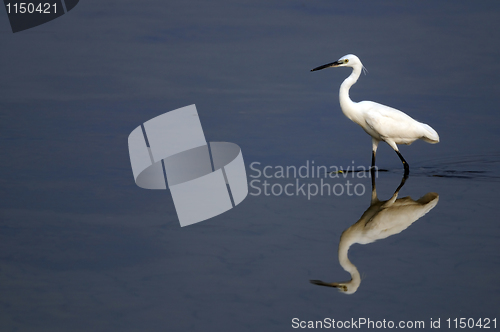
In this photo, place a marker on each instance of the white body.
(382, 123)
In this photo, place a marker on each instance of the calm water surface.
(83, 249)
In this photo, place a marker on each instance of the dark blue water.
(82, 248)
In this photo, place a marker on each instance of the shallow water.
(83, 248)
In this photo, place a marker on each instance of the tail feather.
(429, 134)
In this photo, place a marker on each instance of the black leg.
(405, 164)
(373, 159)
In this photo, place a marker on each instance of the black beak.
(328, 65)
(322, 283)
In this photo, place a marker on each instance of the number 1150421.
(31, 8)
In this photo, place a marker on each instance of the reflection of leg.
(373, 174)
(405, 164)
(403, 181)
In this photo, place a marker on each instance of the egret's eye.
(346, 60)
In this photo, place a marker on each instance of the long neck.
(345, 242)
(346, 103)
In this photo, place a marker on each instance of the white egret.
(381, 220)
(382, 123)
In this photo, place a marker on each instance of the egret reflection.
(381, 220)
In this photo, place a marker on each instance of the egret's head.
(349, 60)
(348, 287)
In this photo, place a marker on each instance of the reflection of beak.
(328, 65)
(322, 283)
